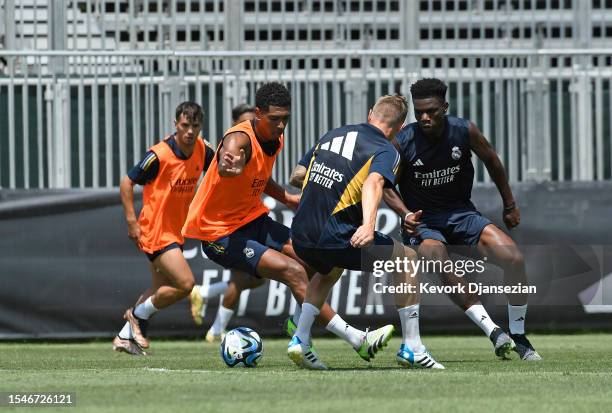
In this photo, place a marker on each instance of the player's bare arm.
(370, 199)
(126, 190)
(483, 149)
(297, 176)
(410, 219)
(233, 154)
(281, 195)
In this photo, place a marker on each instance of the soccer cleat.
(289, 327)
(139, 328)
(304, 355)
(211, 337)
(502, 343)
(198, 305)
(423, 360)
(524, 348)
(124, 345)
(374, 341)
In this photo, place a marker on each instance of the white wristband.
(407, 215)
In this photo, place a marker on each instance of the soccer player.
(169, 173)
(333, 228)
(238, 281)
(435, 187)
(242, 112)
(229, 217)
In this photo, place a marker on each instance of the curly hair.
(272, 94)
(427, 88)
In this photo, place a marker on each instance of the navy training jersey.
(436, 176)
(330, 209)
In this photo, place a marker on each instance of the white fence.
(206, 25)
(547, 112)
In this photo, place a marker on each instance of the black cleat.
(524, 348)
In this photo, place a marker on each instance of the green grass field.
(185, 376)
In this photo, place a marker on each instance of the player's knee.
(433, 251)
(296, 272)
(295, 275)
(410, 254)
(185, 286)
(516, 258)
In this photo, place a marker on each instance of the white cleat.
(422, 360)
(304, 355)
(374, 341)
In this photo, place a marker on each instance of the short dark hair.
(428, 88)
(272, 94)
(240, 109)
(191, 110)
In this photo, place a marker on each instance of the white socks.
(309, 313)
(516, 318)
(145, 310)
(336, 325)
(409, 317)
(480, 317)
(345, 331)
(126, 332)
(223, 317)
(213, 290)
(296, 314)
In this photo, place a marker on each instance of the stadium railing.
(82, 118)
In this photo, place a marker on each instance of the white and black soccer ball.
(241, 347)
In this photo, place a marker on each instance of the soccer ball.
(241, 347)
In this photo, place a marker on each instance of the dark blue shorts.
(243, 248)
(157, 253)
(457, 227)
(359, 259)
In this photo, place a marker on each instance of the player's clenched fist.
(362, 237)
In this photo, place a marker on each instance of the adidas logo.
(418, 162)
(342, 145)
(483, 318)
(414, 314)
(310, 357)
(520, 319)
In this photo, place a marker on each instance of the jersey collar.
(177, 151)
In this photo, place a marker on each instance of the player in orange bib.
(169, 173)
(229, 217)
(238, 281)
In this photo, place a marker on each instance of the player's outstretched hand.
(411, 221)
(134, 232)
(362, 237)
(512, 218)
(234, 164)
(292, 201)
